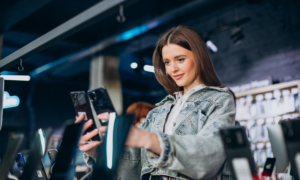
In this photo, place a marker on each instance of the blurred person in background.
(140, 111)
(179, 139)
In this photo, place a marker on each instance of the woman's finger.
(103, 129)
(86, 125)
(79, 118)
(89, 135)
(89, 146)
(103, 116)
(103, 134)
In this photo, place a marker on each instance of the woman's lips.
(178, 76)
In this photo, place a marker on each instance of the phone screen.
(20, 161)
(269, 166)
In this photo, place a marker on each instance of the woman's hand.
(90, 148)
(138, 138)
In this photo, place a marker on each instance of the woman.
(179, 138)
(140, 111)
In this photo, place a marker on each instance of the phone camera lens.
(93, 96)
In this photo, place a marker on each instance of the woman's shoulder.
(216, 95)
(168, 99)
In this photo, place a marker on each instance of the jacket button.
(174, 124)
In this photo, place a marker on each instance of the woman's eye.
(181, 59)
(166, 62)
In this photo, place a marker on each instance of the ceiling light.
(211, 46)
(133, 65)
(16, 77)
(149, 68)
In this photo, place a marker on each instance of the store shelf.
(255, 123)
(269, 88)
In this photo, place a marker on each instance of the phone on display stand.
(239, 157)
(101, 102)
(291, 133)
(269, 166)
(83, 106)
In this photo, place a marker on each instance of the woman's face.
(180, 65)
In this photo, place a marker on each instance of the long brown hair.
(191, 40)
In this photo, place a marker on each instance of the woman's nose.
(174, 67)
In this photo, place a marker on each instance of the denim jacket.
(195, 150)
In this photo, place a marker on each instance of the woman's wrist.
(151, 142)
(147, 140)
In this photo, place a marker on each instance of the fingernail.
(90, 121)
(97, 130)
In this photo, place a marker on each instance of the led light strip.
(16, 77)
(109, 143)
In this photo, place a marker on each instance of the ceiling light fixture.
(211, 46)
(149, 68)
(133, 65)
(16, 77)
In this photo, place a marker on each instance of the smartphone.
(20, 160)
(269, 166)
(237, 150)
(40, 172)
(101, 102)
(82, 106)
(291, 133)
(67, 153)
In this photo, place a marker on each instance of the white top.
(180, 100)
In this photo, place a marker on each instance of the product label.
(83, 113)
(39, 174)
(242, 169)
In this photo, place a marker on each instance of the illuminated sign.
(10, 101)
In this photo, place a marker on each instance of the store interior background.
(270, 49)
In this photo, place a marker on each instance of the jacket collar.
(194, 97)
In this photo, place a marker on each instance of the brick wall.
(271, 46)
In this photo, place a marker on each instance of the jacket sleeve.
(197, 156)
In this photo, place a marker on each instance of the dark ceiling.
(35, 19)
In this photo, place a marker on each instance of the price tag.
(242, 169)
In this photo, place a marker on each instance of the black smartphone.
(269, 166)
(34, 168)
(82, 106)
(237, 149)
(67, 153)
(110, 151)
(40, 172)
(20, 161)
(101, 102)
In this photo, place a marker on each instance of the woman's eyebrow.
(175, 57)
(179, 56)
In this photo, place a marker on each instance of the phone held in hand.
(82, 106)
(101, 102)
